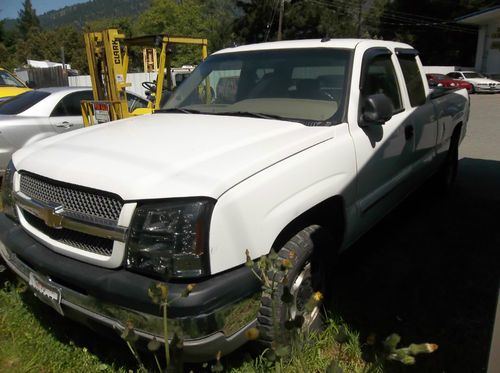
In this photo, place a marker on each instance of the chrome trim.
(55, 217)
(204, 335)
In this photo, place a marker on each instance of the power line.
(271, 21)
(404, 21)
(393, 16)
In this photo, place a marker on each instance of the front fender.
(252, 214)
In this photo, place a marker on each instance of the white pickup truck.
(288, 146)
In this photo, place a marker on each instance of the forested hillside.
(79, 14)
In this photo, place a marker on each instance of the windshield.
(473, 75)
(295, 84)
(22, 102)
(7, 80)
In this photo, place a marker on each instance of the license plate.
(46, 292)
(101, 112)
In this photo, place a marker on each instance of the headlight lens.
(9, 207)
(170, 239)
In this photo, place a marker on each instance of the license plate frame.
(46, 292)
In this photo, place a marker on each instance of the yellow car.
(10, 85)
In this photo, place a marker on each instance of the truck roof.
(314, 43)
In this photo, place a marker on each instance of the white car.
(479, 81)
(35, 115)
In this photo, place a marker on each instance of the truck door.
(383, 151)
(422, 118)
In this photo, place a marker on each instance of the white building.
(488, 41)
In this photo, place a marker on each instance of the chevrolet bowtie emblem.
(51, 216)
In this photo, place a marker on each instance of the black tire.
(446, 176)
(307, 275)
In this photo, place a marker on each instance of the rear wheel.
(307, 252)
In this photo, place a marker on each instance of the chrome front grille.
(94, 204)
(82, 241)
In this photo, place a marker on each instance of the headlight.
(9, 207)
(170, 239)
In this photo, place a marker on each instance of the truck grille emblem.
(51, 216)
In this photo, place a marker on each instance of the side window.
(70, 104)
(413, 79)
(380, 77)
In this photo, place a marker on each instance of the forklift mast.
(107, 56)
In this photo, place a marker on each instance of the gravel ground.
(483, 134)
(430, 271)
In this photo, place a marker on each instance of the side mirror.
(30, 84)
(376, 109)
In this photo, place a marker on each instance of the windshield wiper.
(179, 110)
(248, 114)
(251, 114)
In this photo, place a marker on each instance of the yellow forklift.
(107, 55)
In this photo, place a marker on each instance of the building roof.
(481, 16)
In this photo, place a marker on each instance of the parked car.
(303, 148)
(441, 80)
(41, 113)
(479, 81)
(10, 86)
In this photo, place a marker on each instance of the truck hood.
(168, 155)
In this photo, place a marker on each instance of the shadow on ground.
(430, 272)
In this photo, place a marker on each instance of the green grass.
(28, 345)
(33, 338)
(316, 354)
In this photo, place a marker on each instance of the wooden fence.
(48, 77)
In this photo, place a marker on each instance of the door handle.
(64, 125)
(409, 132)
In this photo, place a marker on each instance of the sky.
(10, 8)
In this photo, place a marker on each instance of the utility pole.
(63, 59)
(280, 24)
(360, 10)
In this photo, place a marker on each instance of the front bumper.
(495, 89)
(213, 318)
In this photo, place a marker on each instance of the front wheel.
(296, 301)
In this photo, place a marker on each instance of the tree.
(27, 19)
(257, 20)
(308, 19)
(2, 32)
(430, 27)
(220, 15)
(185, 18)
